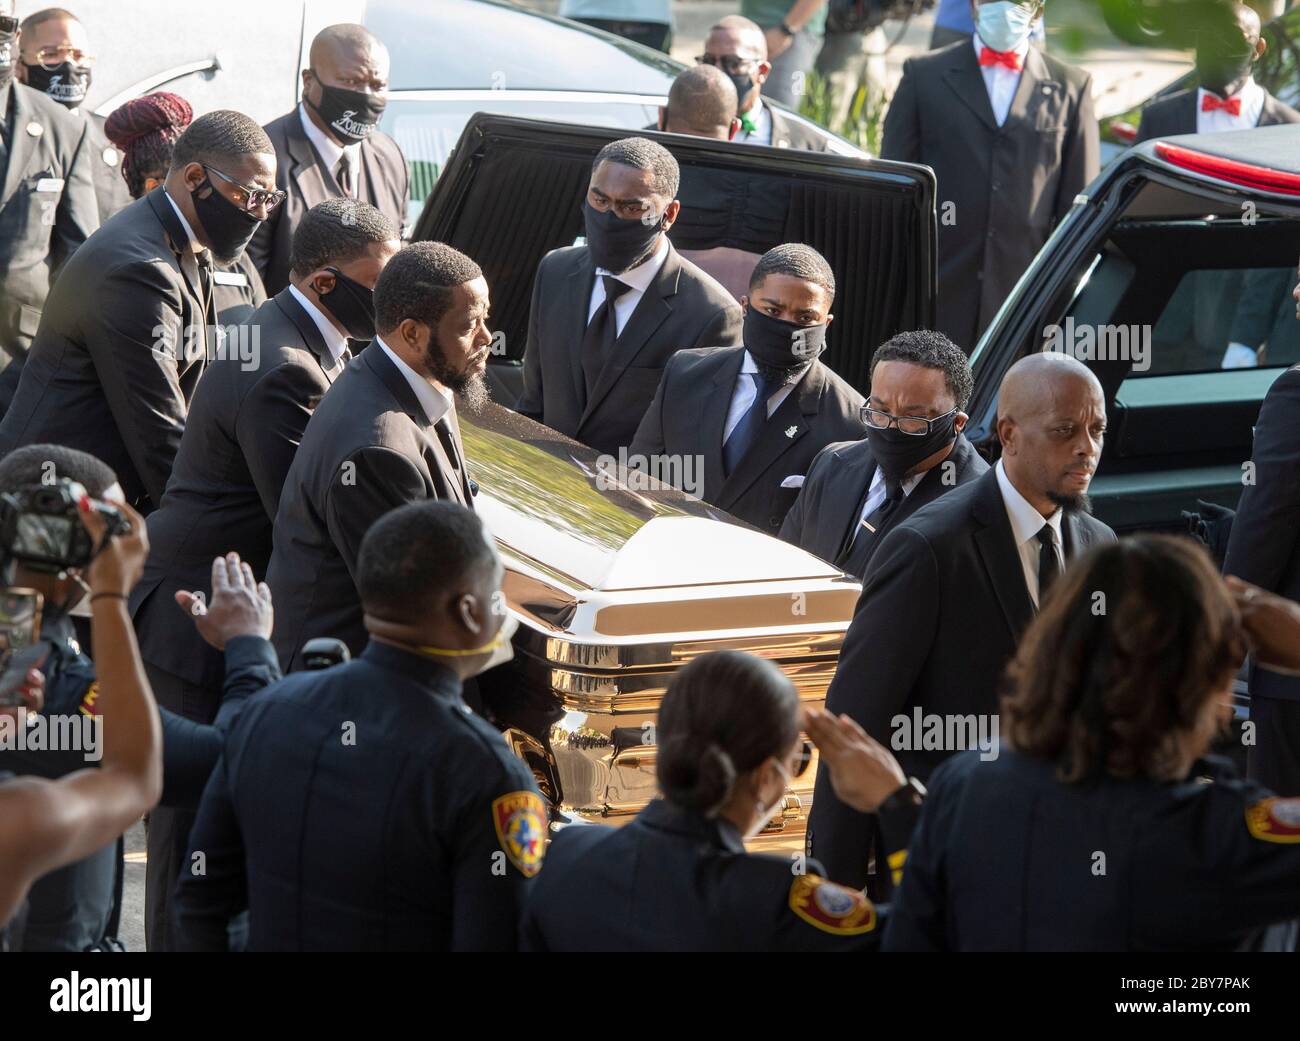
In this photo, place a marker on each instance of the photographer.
(74, 908)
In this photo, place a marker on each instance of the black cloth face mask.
(616, 244)
(352, 115)
(352, 304)
(66, 83)
(896, 453)
(743, 83)
(227, 227)
(778, 344)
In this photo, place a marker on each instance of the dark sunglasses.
(253, 197)
(8, 24)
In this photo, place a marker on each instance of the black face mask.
(352, 115)
(66, 83)
(8, 56)
(352, 304)
(1216, 72)
(779, 345)
(617, 244)
(743, 84)
(896, 453)
(227, 227)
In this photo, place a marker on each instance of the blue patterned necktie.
(750, 427)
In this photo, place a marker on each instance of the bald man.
(951, 589)
(701, 103)
(738, 47)
(331, 146)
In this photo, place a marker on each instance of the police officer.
(1103, 826)
(728, 745)
(366, 807)
(76, 907)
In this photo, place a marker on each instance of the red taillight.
(1125, 132)
(1246, 174)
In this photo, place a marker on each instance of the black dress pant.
(1274, 759)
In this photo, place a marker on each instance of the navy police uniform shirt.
(363, 808)
(672, 880)
(1008, 857)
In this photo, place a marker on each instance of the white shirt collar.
(195, 245)
(1026, 521)
(435, 402)
(640, 277)
(335, 342)
(330, 150)
(1021, 50)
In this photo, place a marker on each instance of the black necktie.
(747, 431)
(1049, 564)
(602, 332)
(344, 174)
(448, 439)
(866, 533)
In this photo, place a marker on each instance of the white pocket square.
(793, 481)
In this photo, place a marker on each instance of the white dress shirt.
(1026, 522)
(638, 278)
(436, 403)
(761, 116)
(330, 150)
(335, 342)
(742, 397)
(999, 81)
(1252, 107)
(195, 245)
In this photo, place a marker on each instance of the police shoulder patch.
(831, 908)
(87, 706)
(520, 819)
(1274, 820)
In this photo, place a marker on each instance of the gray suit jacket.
(111, 193)
(1176, 114)
(942, 608)
(383, 182)
(688, 417)
(47, 206)
(683, 307)
(826, 513)
(1008, 186)
(245, 423)
(119, 350)
(368, 448)
(790, 133)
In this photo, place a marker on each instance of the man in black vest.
(914, 451)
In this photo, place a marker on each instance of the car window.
(1278, 69)
(428, 130)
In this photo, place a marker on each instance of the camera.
(41, 526)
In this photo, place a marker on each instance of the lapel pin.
(791, 431)
(34, 129)
(110, 156)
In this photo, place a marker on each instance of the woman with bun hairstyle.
(145, 130)
(678, 876)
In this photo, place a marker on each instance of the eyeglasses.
(8, 24)
(728, 63)
(913, 426)
(254, 198)
(52, 57)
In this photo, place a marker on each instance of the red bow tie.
(1232, 106)
(988, 56)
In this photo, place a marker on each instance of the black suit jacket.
(368, 448)
(111, 193)
(790, 133)
(683, 307)
(1264, 544)
(826, 512)
(244, 427)
(942, 608)
(688, 417)
(1176, 114)
(119, 350)
(1008, 185)
(47, 206)
(384, 182)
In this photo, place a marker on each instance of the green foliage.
(866, 112)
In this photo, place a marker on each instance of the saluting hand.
(863, 772)
(1272, 623)
(241, 605)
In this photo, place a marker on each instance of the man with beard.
(57, 60)
(47, 196)
(951, 589)
(127, 333)
(607, 316)
(244, 425)
(756, 415)
(384, 435)
(330, 146)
